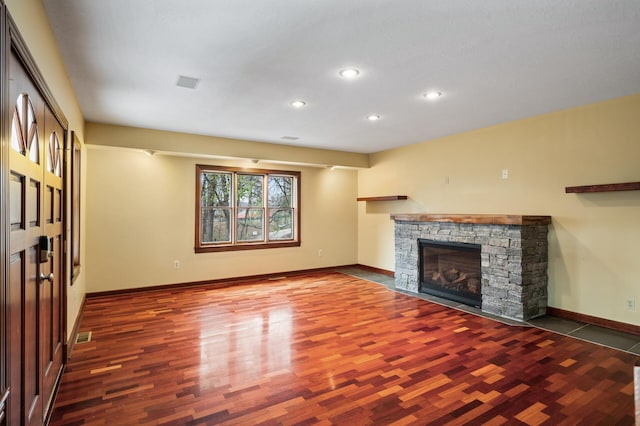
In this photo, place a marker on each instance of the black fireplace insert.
(451, 271)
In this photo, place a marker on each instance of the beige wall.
(32, 22)
(159, 140)
(594, 241)
(140, 219)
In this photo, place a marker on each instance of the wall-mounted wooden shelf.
(608, 187)
(385, 198)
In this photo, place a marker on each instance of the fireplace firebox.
(451, 271)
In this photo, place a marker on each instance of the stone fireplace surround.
(514, 256)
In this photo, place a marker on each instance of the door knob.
(46, 277)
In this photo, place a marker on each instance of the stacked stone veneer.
(513, 262)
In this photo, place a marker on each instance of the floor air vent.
(83, 337)
(276, 278)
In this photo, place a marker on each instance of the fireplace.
(451, 270)
(513, 259)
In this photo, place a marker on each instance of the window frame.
(234, 245)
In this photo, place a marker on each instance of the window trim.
(200, 247)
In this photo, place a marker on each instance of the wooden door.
(51, 312)
(34, 277)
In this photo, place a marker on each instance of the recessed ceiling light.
(298, 103)
(432, 95)
(349, 73)
(373, 117)
(290, 138)
(187, 82)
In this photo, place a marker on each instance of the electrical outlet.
(505, 174)
(176, 264)
(320, 253)
(631, 304)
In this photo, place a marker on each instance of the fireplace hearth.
(451, 271)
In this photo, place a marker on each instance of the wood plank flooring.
(328, 348)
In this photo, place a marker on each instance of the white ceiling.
(493, 60)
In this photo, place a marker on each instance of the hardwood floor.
(328, 348)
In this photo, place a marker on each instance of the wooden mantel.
(486, 219)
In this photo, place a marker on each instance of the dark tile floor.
(592, 333)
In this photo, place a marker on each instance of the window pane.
(216, 225)
(280, 190)
(250, 190)
(280, 224)
(250, 224)
(216, 189)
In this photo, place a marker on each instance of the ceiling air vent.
(187, 82)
